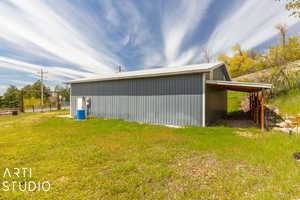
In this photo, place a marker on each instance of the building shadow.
(242, 119)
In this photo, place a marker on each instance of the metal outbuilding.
(186, 95)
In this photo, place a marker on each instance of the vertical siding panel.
(135, 100)
(144, 104)
(169, 114)
(163, 97)
(148, 101)
(156, 101)
(131, 101)
(164, 100)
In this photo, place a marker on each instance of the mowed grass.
(115, 159)
(288, 103)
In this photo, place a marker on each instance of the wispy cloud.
(73, 39)
(3, 88)
(33, 68)
(38, 24)
(249, 24)
(178, 25)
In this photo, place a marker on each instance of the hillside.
(260, 75)
(288, 103)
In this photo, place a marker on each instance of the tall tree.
(240, 63)
(1, 101)
(64, 92)
(282, 28)
(35, 90)
(11, 97)
(27, 91)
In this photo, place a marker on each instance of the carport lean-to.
(256, 96)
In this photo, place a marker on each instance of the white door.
(79, 103)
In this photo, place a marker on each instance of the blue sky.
(79, 38)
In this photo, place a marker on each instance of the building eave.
(166, 71)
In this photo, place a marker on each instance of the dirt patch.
(199, 167)
(247, 134)
(213, 175)
(62, 179)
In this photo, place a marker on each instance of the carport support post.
(262, 117)
(257, 108)
(251, 105)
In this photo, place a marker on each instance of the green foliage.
(287, 102)
(242, 61)
(294, 6)
(1, 101)
(32, 95)
(34, 91)
(28, 102)
(246, 61)
(64, 92)
(11, 97)
(292, 49)
(234, 100)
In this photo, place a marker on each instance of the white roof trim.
(164, 71)
(245, 84)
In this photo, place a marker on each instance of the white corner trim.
(203, 98)
(70, 106)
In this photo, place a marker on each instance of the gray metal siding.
(175, 100)
(216, 104)
(219, 74)
(216, 99)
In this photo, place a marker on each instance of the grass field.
(115, 159)
(288, 103)
(234, 100)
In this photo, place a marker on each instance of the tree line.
(244, 61)
(30, 95)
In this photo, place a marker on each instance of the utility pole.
(42, 73)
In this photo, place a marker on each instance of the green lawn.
(288, 103)
(234, 100)
(115, 159)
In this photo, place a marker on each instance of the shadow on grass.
(241, 119)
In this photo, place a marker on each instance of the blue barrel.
(81, 114)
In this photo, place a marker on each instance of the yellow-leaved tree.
(241, 62)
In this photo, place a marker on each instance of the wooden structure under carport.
(256, 96)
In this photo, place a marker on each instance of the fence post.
(58, 101)
(262, 111)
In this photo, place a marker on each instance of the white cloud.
(53, 72)
(36, 23)
(3, 89)
(177, 23)
(68, 35)
(249, 24)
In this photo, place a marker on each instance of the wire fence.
(35, 108)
